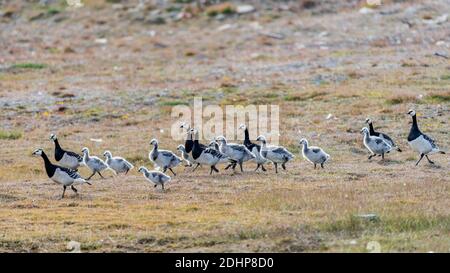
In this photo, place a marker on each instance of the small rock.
(74, 246)
(245, 9)
(156, 20)
(101, 41)
(365, 10)
(369, 217)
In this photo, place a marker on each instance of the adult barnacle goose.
(236, 152)
(276, 154)
(163, 158)
(260, 159)
(375, 145)
(420, 142)
(156, 177)
(61, 175)
(94, 163)
(313, 154)
(386, 138)
(207, 156)
(65, 158)
(117, 164)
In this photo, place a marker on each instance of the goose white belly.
(61, 177)
(70, 162)
(421, 145)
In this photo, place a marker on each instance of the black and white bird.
(375, 145)
(163, 158)
(207, 156)
(234, 151)
(61, 175)
(313, 154)
(260, 159)
(420, 142)
(65, 158)
(117, 164)
(275, 154)
(156, 177)
(386, 138)
(187, 157)
(94, 163)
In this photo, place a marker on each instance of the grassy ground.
(57, 76)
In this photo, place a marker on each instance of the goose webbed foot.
(370, 157)
(196, 167)
(315, 166)
(431, 162)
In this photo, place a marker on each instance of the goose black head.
(243, 127)
(181, 148)
(53, 137)
(411, 112)
(38, 152)
(303, 141)
(368, 121)
(154, 141)
(261, 138)
(364, 131)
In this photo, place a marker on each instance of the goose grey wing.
(429, 139)
(316, 150)
(79, 157)
(73, 174)
(167, 153)
(388, 139)
(237, 147)
(279, 150)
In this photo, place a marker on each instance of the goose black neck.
(247, 137)
(414, 125)
(57, 144)
(371, 130)
(188, 144)
(49, 167)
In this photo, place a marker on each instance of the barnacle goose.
(381, 135)
(236, 152)
(156, 177)
(207, 156)
(276, 154)
(94, 163)
(65, 158)
(61, 175)
(375, 145)
(260, 159)
(163, 158)
(420, 142)
(117, 164)
(313, 154)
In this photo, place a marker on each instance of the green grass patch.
(10, 135)
(355, 225)
(439, 97)
(173, 103)
(28, 66)
(304, 96)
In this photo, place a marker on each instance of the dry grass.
(123, 93)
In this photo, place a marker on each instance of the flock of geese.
(219, 151)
